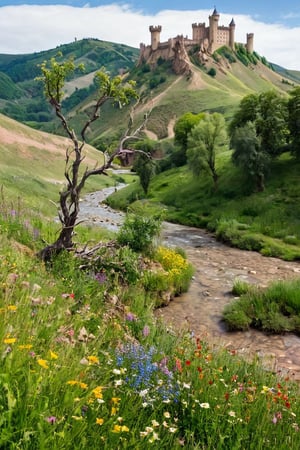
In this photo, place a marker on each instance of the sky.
(28, 26)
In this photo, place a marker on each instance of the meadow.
(84, 363)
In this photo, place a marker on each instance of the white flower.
(186, 385)
(155, 423)
(172, 430)
(167, 414)
(231, 413)
(154, 438)
(143, 392)
(117, 371)
(204, 405)
(118, 382)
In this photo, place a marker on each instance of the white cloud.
(26, 29)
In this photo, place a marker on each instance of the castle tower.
(213, 29)
(198, 31)
(249, 45)
(155, 36)
(231, 34)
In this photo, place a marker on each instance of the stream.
(217, 266)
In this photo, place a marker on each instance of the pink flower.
(51, 419)
(146, 331)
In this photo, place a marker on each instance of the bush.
(212, 72)
(139, 232)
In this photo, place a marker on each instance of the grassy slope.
(267, 221)
(32, 164)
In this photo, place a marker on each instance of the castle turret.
(198, 31)
(213, 29)
(231, 34)
(249, 45)
(155, 36)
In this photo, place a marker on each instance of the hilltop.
(216, 84)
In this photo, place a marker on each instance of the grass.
(267, 222)
(79, 357)
(275, 309)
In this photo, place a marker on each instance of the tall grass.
(84, 364)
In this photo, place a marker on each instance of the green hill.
(25, 103)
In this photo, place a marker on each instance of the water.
(216, 268)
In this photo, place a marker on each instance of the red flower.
(226, 396)
(287, 404)
(188, 363)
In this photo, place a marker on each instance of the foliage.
(144, 166)
(54, 75)
(80, 377)
(275, 309)
(206, 139)
(139, 232)
(182, 129)
(268, 112)
(179, 270)
(294, 120)
(249, 154)
(212, 72)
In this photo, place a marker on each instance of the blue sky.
(34, 25)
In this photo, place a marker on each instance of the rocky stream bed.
(217, 266)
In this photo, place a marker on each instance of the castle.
(209, 39)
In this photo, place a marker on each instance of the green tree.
(54, 74)
(206, 139)
(294, 120)
(268, 112)
(182, 129)
(144, 166)
(249, 155)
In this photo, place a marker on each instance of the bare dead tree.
(54, 74)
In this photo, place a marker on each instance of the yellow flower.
(12, 308)
(43, 363)
(72, 382)
(97, 392)
(53, 355)
(25, 347)
(83, 385)
(120, 428)
(99, 421)
(9, 340)
(115, 400)
(113, 411)
(93, 359)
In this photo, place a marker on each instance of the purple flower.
(130, 317)
(51, 419)
(100, 277)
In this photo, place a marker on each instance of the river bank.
(217, 266)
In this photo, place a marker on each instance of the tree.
(205, 141)
(143, 163)
(268, 112)
(182, 129)
(294, 120)
(54, 75)
(249, 155)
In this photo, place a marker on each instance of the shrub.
(139, 232)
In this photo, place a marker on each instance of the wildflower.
(172, 429)
(167, 415)
(146, 331)
(231, 413)
(155, 423)
(120, 429)
(53, 355)
(117, 371)
(155, 437)
(186, 385)
(118, 383)
(72, 382)
(9, 340)
(113, 411)
(204, 405)
(188, 363)
(43, 363)
(83, 385)
(115, 400)
(97, 392)
(25, 346)
(12, 308)
(93, 359)
(51, 419)
(99, 421)
(130, 317)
